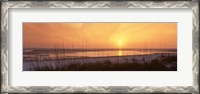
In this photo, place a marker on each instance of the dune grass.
(153, 65)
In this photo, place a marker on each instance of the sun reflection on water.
(120, 53)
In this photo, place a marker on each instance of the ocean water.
(51, 54)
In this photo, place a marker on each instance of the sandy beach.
(29, 65)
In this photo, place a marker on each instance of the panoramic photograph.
(99, 46)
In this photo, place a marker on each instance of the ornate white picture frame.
(6, 5)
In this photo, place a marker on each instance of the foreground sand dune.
(27, 66)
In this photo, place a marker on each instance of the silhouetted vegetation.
(153, 65)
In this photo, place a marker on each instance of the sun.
(120, 43)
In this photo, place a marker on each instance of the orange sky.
(100, 35)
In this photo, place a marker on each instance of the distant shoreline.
(124, 56)
(100, 49)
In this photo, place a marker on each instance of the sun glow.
(114, 35)
(120, 44)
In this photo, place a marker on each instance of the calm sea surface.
(43, 54)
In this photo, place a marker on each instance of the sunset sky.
(100, 35)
